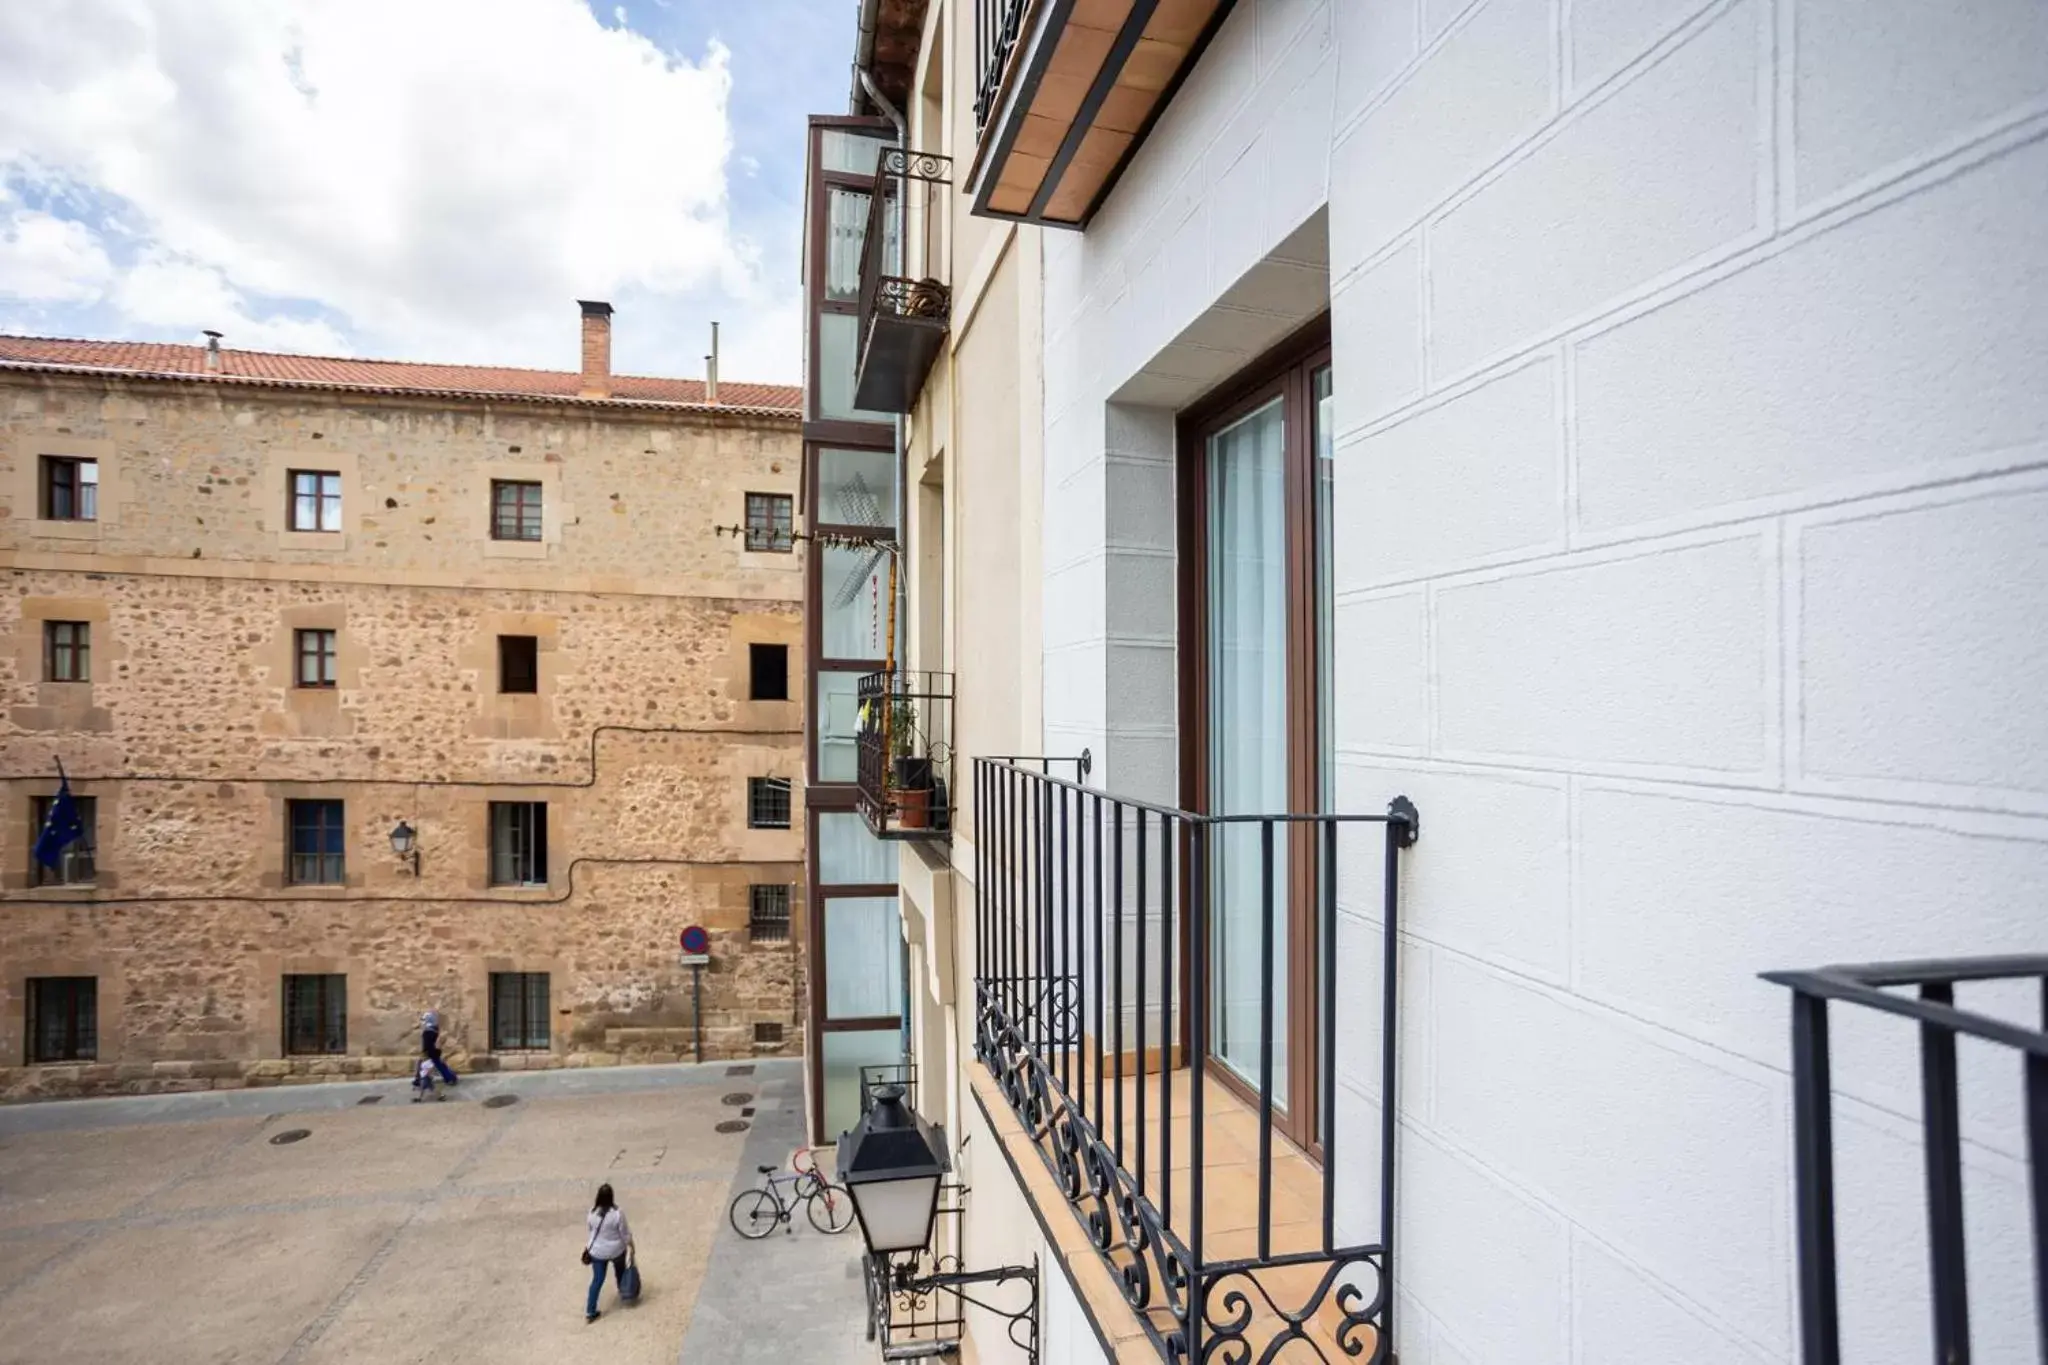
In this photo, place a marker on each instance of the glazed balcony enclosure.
(1067, 91)
(1149, 1039)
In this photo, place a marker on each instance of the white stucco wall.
(1692, 565)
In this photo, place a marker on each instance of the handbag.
(629, 1277)
(593, 1238)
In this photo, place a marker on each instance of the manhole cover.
(500, 1101)
(746, 1070)
(369, 1099)
(736, 1099)
(734, 1126)
(291, 1135)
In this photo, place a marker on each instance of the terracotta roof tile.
(162, 360)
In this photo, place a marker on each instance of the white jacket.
(607, 1234)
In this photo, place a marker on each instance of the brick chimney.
(597, 349)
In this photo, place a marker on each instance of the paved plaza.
(197, 1228)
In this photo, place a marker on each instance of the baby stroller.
(423, 1081)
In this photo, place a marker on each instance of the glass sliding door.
(1247, 729)
(1256, 483)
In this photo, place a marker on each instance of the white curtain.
(846, 224)
(1248, 728)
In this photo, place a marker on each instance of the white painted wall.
(1692, 376)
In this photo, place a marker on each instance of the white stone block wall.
(1692, 566)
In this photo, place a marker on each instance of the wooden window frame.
(528, 865)
(72, 487)
(511, 663)
(67, 660)
(89, 818)
(329, 1006)
(527, 504)
(323, 498)
(319, 645)
(81, 1002)
(1287, 372)
(774, 532)
(319, 862)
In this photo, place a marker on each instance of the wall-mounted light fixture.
(892, 1164)
(405, 842)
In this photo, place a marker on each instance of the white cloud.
(47, 259)
(442, 178)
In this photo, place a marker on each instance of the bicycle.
(757, 1212)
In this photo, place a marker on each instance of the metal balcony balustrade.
(996, 24)
(902, 320)
(904, 754)
(1879, 987)
(1096, 922)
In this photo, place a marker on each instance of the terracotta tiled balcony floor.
(1231, 1206)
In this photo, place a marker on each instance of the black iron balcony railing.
(1127, 957)
(996, 24)
(904, 747)
(1880, 986)
(902, 319)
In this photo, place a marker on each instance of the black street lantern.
(405, 843)
(892, 1163)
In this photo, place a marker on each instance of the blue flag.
(62, 829)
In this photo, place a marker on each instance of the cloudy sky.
(415, 179)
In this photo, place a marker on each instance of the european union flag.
(63, 828)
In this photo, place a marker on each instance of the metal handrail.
(996, 26)
(1940, 1023)
(1071, 882)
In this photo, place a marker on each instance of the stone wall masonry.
(192, 737)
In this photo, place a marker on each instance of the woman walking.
(610, 1241)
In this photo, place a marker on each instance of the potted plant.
(910, 774)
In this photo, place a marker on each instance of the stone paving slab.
(171, 1229)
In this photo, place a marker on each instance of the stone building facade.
(314, 601)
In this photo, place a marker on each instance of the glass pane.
(857, 487)
(1324, 416)
(863, 957)
(846, 226)
(1247, 624)
(838, 721)
(844, 1055)
(838, 336)
(854, 588)
(848, 855)
(857, 153)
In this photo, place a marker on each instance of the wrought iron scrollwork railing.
(881, 292)
(1097, 923)
(1933, 1007)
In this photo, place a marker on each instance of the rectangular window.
(71, 489)
(315, 651)
(77, 861)
(315, 1014)
(768, 914)
(316, 843)
(63, 1018)
(768, 672)
(315, 503)
(768, 1035)
(519, 843)
(519, 1011)
(768, 803)
(518, 663)
(770, 521)
(67, 651)
(515, 510)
